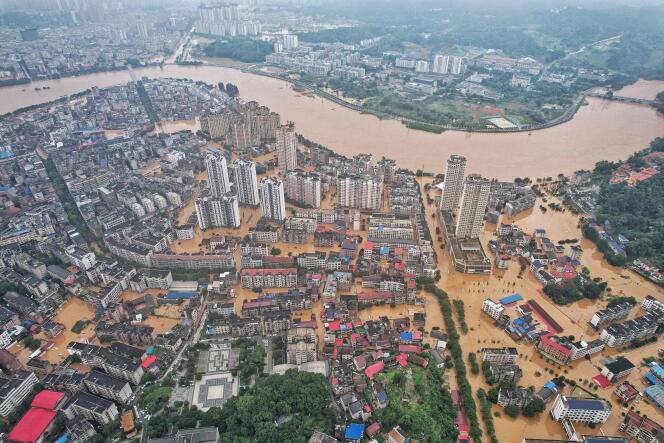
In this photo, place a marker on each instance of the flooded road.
(602, 130)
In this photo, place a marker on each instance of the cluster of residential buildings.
(75, 46)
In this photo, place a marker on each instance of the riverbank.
(418, 124)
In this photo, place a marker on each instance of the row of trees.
(466, 393)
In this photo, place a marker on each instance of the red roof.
(402, 359)
(32, 425)
(555, 345)
(47, 399)
(602, 381)
(409, 348)
(148, 361)
(373, 429)
(374, 369)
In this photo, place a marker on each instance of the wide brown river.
(602, 130)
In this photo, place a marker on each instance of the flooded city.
(601, 130)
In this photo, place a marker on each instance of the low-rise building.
(109, 387)
(91, 407)
(610, 314)
(500, 355)
(515, 396)
(642, 429)
(493, 309)
(640, 327)
(619, 368)
(581, 409)
(14, 390)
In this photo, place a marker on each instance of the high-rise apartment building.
(473, 205)
(218, 181)
(215, 212)
(363, 192)
(456, 65)
(287, 147)
(456, 168)
(246, 183)
(447, 64)
(290, 41)
(304, 188)
(441, 63)
(273, 203)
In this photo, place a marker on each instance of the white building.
(454, 173)
(218, 181)
(441, 64)
(501, 356)
(246, 183)
(273, 203)
(290, 41)
(304, 188)
(81, 259)
(422, 66)
(5, 339)
(362, 192)
(287, 147)
(174, 198)
(14, 390)
(217, 212)
(579, 409)
(474, 201)
(492, 309)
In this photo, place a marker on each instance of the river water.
(602, 130)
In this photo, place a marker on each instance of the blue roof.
(622, 239)
(511, 299)
(176, 295)
(585, 403)
(384, 250)
(382, 396)
(354, 431)
(6, 154)
(650, 378)
(551, 385)
(6, 188)
(656, 394)
(210, 331)
(63, 439)
(657, 370)
(406, 336)
(150, 350)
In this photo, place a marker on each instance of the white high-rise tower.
(273, 203)
(473, 205)
(246, 183)
(218, 181)
(287, 147)
(456, 168)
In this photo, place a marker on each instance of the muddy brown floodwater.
(602, 130)
(474, 289)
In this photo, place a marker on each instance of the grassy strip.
(486, 415)
(428, 127)
(467, 401)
